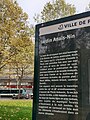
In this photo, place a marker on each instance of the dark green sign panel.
(62, 69)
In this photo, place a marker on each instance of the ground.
(15, 109)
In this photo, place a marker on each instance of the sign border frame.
(36, 57)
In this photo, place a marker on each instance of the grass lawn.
(15, 110)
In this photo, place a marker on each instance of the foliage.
(22, 62)
(87, 8)
(16, 46)
(54, 10)
(16, 110)
(14, 31)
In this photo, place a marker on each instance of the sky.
(35, 6)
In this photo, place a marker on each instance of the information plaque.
(62, 69)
